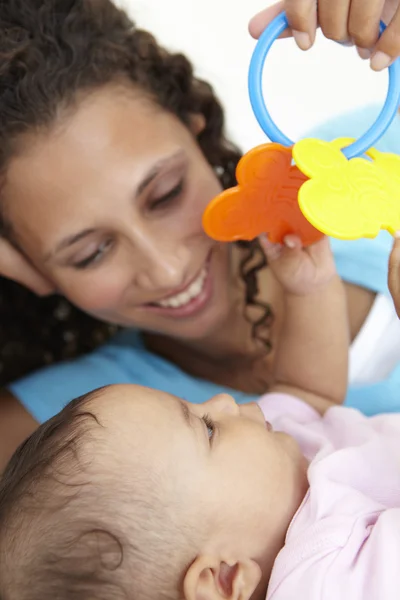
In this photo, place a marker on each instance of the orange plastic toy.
(264, 201)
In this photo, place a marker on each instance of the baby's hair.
(63, 533)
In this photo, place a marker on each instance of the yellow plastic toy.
(348, 199)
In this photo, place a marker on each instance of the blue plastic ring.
(376, 131)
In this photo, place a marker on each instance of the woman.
(110, 151)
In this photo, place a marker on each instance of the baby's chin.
(290, 446)
(296, 462)
(302, 483)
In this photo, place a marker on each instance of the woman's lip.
(193, 307)
(185, 286)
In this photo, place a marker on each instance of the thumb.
(394, 273)
(15, 266)
(261, 20)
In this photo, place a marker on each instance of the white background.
(301, 89)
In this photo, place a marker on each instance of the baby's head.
(133, 493)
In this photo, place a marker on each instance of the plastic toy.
(265, 200)
(345, 196)
(359, 196)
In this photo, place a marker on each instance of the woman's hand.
(394, 273)
(14, 265)
(300, 271)
(347, 21)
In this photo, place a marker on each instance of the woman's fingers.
(387, 48)
(363, 22)
(333, 18)
(262, 19)
(345, 21)
(14, 266)
(302, 17)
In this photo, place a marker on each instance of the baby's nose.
(224, 403)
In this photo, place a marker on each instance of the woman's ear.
(210, 578)
(197, 123)
(14, 265)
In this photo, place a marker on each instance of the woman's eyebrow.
(68, 241)
(144, 183)
(156, 169)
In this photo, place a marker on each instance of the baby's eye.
(209, 423)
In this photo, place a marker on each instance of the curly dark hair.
(49, 51)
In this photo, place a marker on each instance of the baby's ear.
(210, 578)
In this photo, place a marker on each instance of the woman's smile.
(189, 299)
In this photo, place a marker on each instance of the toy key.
(344, 188)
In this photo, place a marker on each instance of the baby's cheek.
(251, 456)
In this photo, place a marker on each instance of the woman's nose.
(163, 268)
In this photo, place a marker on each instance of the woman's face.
(109, 205)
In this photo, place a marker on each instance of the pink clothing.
(344, 541)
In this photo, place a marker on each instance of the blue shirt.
(125, 359)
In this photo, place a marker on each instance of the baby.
(130, 493)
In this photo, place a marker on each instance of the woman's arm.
(16, 424)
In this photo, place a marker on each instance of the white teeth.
(189, 294)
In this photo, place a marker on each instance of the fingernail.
(380, 61)
(265, 242)
(289, 243)
(347, 43)
(364, 53)
(303, 39)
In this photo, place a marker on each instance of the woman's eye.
(209, 423)
(171, 195)
(95, 256)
